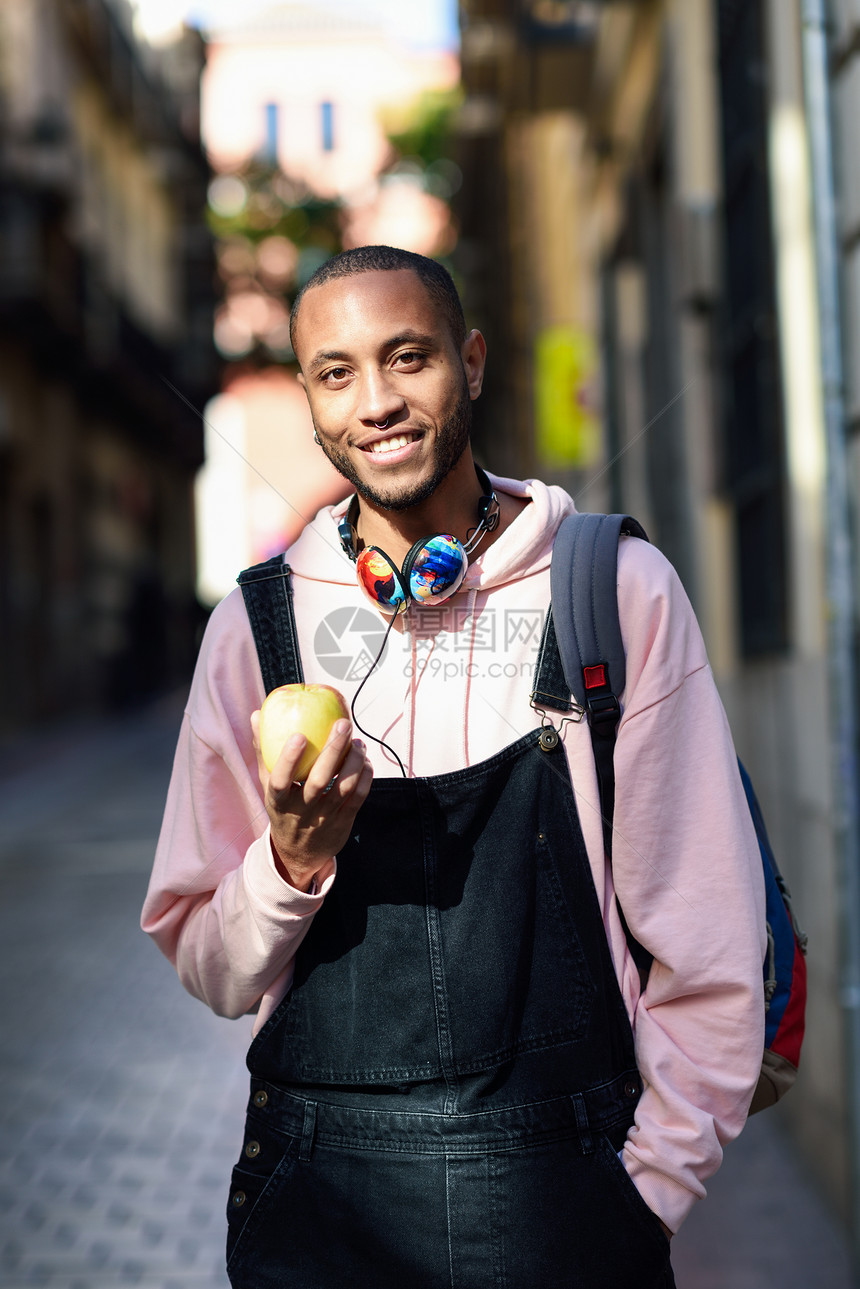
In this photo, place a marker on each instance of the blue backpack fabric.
(584, 622)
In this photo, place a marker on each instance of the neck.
(453, 508)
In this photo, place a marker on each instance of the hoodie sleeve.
(216, 905)
(687, 875)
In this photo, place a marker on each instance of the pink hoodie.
(453, 689)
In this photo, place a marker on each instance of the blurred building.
(106, 297)
(304, 85)
(527, 70)
(639, 240)
(296, 102)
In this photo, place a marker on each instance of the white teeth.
(391, 445)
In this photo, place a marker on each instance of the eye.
(410, 358)
(334, 375)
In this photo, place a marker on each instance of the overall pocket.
(266, 1163)
(626, 1187)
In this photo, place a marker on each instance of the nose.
(379, 402)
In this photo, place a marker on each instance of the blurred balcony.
(54, 301)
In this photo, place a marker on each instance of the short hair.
(368, 259)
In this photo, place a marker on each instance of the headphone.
(433, 568)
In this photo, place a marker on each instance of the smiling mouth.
(381, 446)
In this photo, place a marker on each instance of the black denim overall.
(440, 1098)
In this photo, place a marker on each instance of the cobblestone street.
(122, 1098)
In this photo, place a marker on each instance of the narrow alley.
(123, 1098)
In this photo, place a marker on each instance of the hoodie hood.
(523, 548)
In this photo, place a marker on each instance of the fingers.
(341, 759)
(352, 783)
(363, 784)
(283, 774)
(330, 760)
(312, 820)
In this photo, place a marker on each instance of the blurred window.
(270, 147)
(327, 123)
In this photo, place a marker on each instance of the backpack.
(584, 620)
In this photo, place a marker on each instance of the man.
(455, 1080)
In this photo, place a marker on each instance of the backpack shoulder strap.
(268, 594)
(585, 608)
(584, 592)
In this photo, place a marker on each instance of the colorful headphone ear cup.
(434, 568)
(380, 581)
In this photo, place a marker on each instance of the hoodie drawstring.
(471, 618)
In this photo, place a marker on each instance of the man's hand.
(311, 821)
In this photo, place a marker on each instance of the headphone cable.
(371, 670)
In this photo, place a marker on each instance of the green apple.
(299, 709)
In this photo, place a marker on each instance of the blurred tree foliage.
(421, 135)
(273, 204)
(422, 130)
(273, 232)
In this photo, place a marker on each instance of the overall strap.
(551, 688)
(268, 595)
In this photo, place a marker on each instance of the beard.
(451, 443)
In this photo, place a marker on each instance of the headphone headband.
(488, 519)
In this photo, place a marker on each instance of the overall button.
(260, 1099)
(239, 1198)
(252, 1149)
(631, 1089)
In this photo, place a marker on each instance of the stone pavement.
(122, 1098)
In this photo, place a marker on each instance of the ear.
(301, 379)
(474, 355)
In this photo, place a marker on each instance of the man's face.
(389, 389)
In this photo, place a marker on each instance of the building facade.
(106, 357)
(658, 195)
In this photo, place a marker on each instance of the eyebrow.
(412, 338)
(407, 337)
(326, 356)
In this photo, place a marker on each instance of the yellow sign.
(567, 430)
